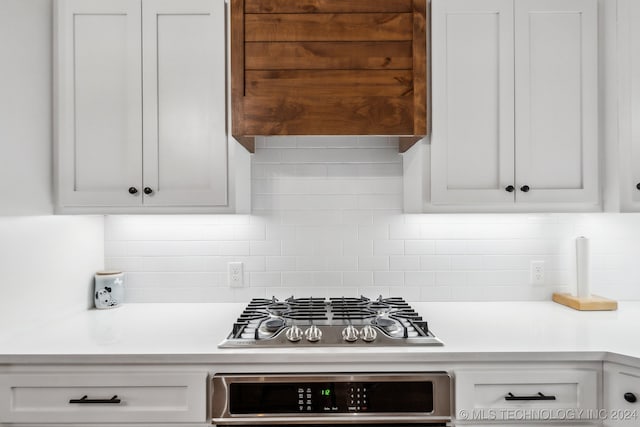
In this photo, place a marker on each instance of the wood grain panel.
(328, 116)
(326, 6)
(420, 67)
(328, 27)
(329, 55)
(406, 142)
(329, 67)
(237, 69)
(329, 83)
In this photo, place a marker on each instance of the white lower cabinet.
(106, 395)
(527, 395)
(621, 395)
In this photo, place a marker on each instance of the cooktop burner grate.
(332, 321)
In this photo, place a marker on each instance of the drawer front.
(112, 397)
(521, 395)
(621, 395)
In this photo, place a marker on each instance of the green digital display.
(325, 392)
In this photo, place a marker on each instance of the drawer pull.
(539, 396)
(630, 397)
(84, 399)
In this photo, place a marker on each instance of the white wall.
(327, 221)
(46, 262)
(25, 107)
(47, 265)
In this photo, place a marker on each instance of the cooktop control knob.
(313, 333)
(350, 333)
(294, 334)
(368, 333)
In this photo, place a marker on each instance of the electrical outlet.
(236, 275)
(537, 272)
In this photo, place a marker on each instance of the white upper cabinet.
(556, 54)
(141, 106)
(515, 116)
(184, 143)
(629, 102)
(99, 102)
(472, 138)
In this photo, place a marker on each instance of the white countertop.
(471, 331)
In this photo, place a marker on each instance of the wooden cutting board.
(593, 303)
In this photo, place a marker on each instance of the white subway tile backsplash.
(280, 263)
(451, 278)
(234, 248)
(408, 293)
(404, 231)
(357, 279)
(298, 247)
(265, 279)
(327, 279)
(327, 221)
(437, 293)
(466, 262)
(373, 263)
(371, 232)
(419, 247)
(342, 263)
(419, 278)
(435, 262)
(379, 170)
(379, 201)
(252, 263)
(404, 263)
(265, 247)
(388, 278)
(388, 247)
(311, 263)
(298, 278)
(171, 264)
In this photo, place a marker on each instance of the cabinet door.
(99, 102)
(472, 139)
(556, 47)
(185, 143)
(629, 100)
(621, 395)
(162, 396)
(482, 394)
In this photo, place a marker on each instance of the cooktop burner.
(329, 322)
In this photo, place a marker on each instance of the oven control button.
(294, 334)
(350, 333)
(368, 333)
(313, 333)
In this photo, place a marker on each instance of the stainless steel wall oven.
(361, 399)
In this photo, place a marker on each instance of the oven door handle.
(349, 419)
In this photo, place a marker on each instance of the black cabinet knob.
(147, 190)
(525, 188)
(630, 397)
(510, 188)
(133, 190)
(638, 186)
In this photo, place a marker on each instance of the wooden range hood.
(329, 67)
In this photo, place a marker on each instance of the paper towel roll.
(582, 267)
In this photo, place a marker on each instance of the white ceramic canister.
(109, 289)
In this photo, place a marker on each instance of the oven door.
(326, 399)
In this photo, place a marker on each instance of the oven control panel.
(331, 397)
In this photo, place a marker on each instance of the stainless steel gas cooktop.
(329, 322)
